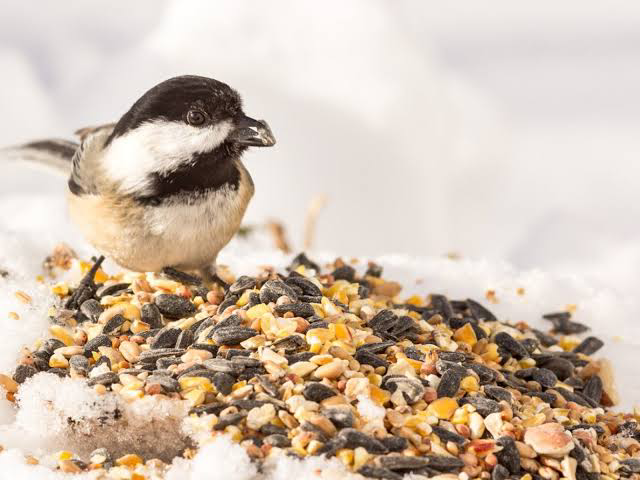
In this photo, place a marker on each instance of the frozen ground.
(506, 134)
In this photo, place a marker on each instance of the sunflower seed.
(232, 335)
(174, 306)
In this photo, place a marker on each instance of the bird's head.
(185, 133)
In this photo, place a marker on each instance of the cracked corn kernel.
(466, 335)
(99, 277)
(234, 432)
(258, 311)
(58, 360)
(442, 408)
(130, 460)
(345, 455)
(340, 331)
(139, 326)
(194, 396)
(64, 455)
(360, 457)
(137, 476)
(61, 334)
(130, 311)
(201, 383)
(61, 289)
(379, 395)
(491, 353)
(469, 384)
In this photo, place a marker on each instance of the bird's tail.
(54, 154)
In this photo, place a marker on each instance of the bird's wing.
(56, 154)
(85, 171)
(85, 132)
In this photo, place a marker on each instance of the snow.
(506, 135)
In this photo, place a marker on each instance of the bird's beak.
(252, 133)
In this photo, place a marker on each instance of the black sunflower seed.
(484, 406)
(174, 306)
(412, 389)
(149, 313)
(365, 357)
(593, 388)
(112, 289)
(354, 438)
(508, 456)
(379, 472)
(485, 374)
(23, 372)
(589, 346)
(514, 347)
(479, 312)
(317, 392)
(384, 320)
(498, 393)
(394, 443)
(181, 277)
(80, 364)
(346, 272)
(562, 323)
(166, 338)
(223, 365)
(91, 309)
(96, 342)
(448, 436)
(167, 383)
(378, 347)
(630, 465)
(114, 325)
(223, 382)
(272, 290)
(442, 306)
(277, 440)
(340, 417)
(450, 382)
(499, 472)
(414, 354)
(231, 419)
(228, 301)
(303, 310)
(291, 344)
(233, 335)
(544, 339)
(545, 377)
(241, 284)
(184, 339)
(562, 367)
(104, 379)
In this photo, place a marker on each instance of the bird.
(164, 186)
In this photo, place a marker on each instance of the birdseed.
(337, 364)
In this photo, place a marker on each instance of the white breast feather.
(158, 146)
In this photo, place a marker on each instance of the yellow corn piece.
(443, 408)
(202, 383)
(194, 396)
(257, 311)
(130, 460)
(378, 395)
(345, 455)
(466, 335)
(61, 334)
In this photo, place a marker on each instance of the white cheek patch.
(158, 147)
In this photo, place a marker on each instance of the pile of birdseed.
(303, 363)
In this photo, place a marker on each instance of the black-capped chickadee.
(164, 186)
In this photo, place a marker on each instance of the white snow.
(507, 135)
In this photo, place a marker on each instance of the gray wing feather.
(56, 154)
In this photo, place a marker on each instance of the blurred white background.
(495, 129)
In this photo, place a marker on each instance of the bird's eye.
(194, 117)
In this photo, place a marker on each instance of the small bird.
(164, 186)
